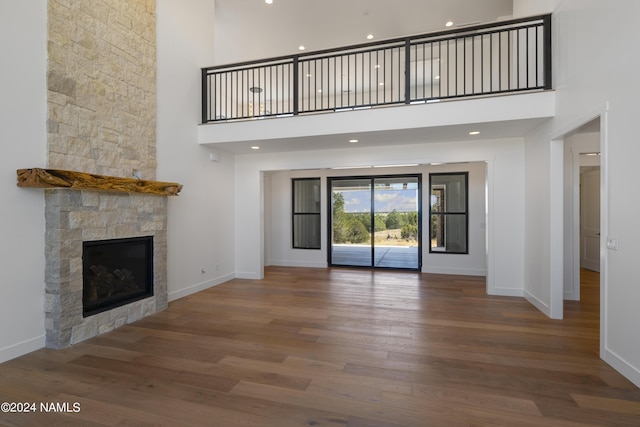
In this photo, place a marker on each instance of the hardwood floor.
(334, 347)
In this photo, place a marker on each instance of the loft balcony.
(475, 63)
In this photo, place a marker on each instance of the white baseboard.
(455, 271)
(199, 287)
(24, 347)
(540, 305)
(507, 292)
(248, 276)
(299, 264)
(571, 296)
(619, 364)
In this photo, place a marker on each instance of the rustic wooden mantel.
(56, 178)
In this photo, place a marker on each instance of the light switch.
(612, 243)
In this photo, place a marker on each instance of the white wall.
(537, 217)
(23, 107)
(504, 159)
(475, 262)
(200, 226)
(595, 75)
(532, 7)
(278, 250)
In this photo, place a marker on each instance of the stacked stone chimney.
(101, 82)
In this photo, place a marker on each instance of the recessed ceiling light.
(255, 147)
(353, 141)
(376, 66)
(301, 47)
(474, 132)
(381, 84)
(268, 1)
(449, 23)
(369, 36)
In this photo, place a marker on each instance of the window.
(306, 213)
(448, 213)
(374, 221)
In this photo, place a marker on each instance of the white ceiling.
(250, 29)
(495, 117)
(453, 133)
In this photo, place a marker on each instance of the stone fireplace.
(101, 82)
(74, 217)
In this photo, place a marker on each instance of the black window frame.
(445, 213)
(295, 214)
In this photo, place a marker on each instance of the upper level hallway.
(391, 92)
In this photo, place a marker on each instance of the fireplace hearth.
(116, 272)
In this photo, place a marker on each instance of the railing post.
(296, 84)
(407, 71)
(547, 52)
(205, 96)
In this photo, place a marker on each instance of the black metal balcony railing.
(504, 57)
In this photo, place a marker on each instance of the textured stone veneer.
(76, 216)
(101, 82)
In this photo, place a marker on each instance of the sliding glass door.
(396, 240)
(375, 221)
(350, 222)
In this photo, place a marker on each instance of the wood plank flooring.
(334, 347)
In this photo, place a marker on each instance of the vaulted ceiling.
(248, 30)
(252, 29)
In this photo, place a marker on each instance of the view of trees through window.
(375, 221)
(355, 227)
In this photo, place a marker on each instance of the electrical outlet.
(202, 270)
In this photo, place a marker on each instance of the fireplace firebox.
(116, 272)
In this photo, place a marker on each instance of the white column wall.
(594, 45)
(23, 117)
(505, 201)
(200, 223)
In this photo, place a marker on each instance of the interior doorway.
(374, 221)
(584, 212)
(582, 206)
(590, 236)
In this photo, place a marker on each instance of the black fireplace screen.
(116, 272)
